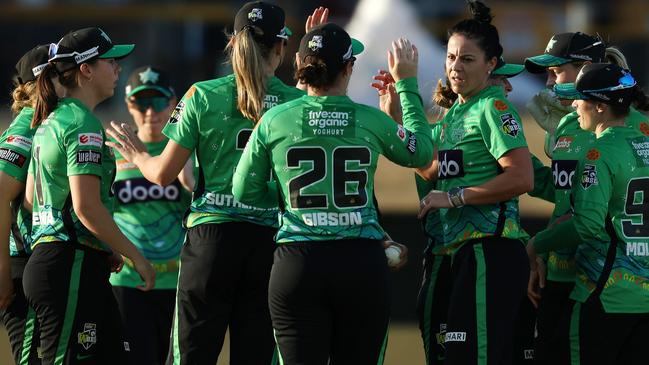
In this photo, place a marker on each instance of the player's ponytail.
(615, 56)
(315, 73)
(46, 98)
(444, 95)
(249, 59)
(480, 29)
(23, 96)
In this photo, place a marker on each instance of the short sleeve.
(502, 128)
(84, 144)
(14, 155)
(182, 126)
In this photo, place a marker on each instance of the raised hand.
(388, 99)
(320, 16)
(403, 59)
(126, 141)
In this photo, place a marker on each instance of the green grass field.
(404, 347)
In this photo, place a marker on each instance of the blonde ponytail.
(249, 58)
(23, 96)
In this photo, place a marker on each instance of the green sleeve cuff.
(563, 235)
(409, 85)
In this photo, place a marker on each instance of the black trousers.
(68, 287)
(146, 319)
(489, 283)
(329, 302)
(20, 319)
(223, 282)
(588, 335)
(432, 306)
(555, 299)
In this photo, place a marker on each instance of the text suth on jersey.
(226, 200)
(142, 190)
(332, 219)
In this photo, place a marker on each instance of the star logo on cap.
(149, 76)
(103, 34)
(255, 15)
(551, 44)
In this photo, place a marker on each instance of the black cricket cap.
(604, 82)
(565, 48)
(84, 45)
(330, 43)
(149, 78)
(267, 20)
(32, 63)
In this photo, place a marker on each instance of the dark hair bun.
(480, 11)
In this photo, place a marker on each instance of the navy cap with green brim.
(604, 82)
(85, 45)
(509, 70)
(149, 78)
(331, 43)
(564, 48)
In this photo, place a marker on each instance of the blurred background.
(187, 38)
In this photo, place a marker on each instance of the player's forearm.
(543, 182)
(96, 218)
(419, 143)
(510, 184)
(155, 169)
(5, 231)
(247, 189)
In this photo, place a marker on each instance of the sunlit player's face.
(588, 115)
(467, 68)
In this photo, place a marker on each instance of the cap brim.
(166, 92)
(357, 47)
(538, 64)
(568, 91)
(509, 70)
(118, 51)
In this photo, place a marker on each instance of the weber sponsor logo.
(91, 139)
(19, 141)
(563, 172)
(86, 156)
(589, 176)
(141, 190)
(12, 157)
(340, 122)
(455, 337)
(451, 164)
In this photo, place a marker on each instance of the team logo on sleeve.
(190, 92)
(510, 125)
(412, 143)
(563, 172)
(644, 128)
(451, 164)
(177, 113)
(88, 156)
(500, 105)
(19, 141)
(593, 154)
(91, 139)
(589, 177)
(12, 157)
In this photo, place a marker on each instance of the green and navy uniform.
(19, 319)
(432, 300)
(151, 217)
(485, 240)
(227, 256)
(608, 230)
(77, 312)
(328, 287)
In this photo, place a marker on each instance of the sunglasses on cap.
(157, 103)
(625, 82)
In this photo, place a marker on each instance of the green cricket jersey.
(432, 225)
(474, 135)
(612, 181)
(208, 122)
(323, 151)
(151, 217)
(15, 150)
(69, 142)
